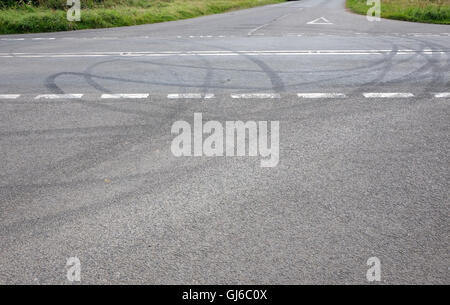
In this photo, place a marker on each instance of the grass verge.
(50, 15)
(428, 11)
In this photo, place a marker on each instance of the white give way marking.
(321, 20)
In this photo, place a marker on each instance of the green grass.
(50, 15)
(429, 11)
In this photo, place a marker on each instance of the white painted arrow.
(321, 20)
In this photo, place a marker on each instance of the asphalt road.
(359, 175)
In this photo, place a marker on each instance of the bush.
(430, 11)
(34, 16)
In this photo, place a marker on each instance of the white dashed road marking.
(190, 96)
(204, 96)
(321, 95)
(9, 96)
(388, 95)
(256, 95)
(442, 95)
(253, 31)
(58, 96)
(125, 95)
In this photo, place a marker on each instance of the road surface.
(87, 169)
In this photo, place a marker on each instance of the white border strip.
(58, 96)
(321, 95)
(43, 38)
(388, 95)
(125, 95)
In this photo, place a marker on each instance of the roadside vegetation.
(429, 11)
(33, 16)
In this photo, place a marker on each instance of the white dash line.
(388, 95)
(9, 96)
(43, 38)
(321, 95)
(225, 53)
(255, 95)
(442, 95)
(125, 95)
(58, 96)
(190, 96)
(257, 29)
